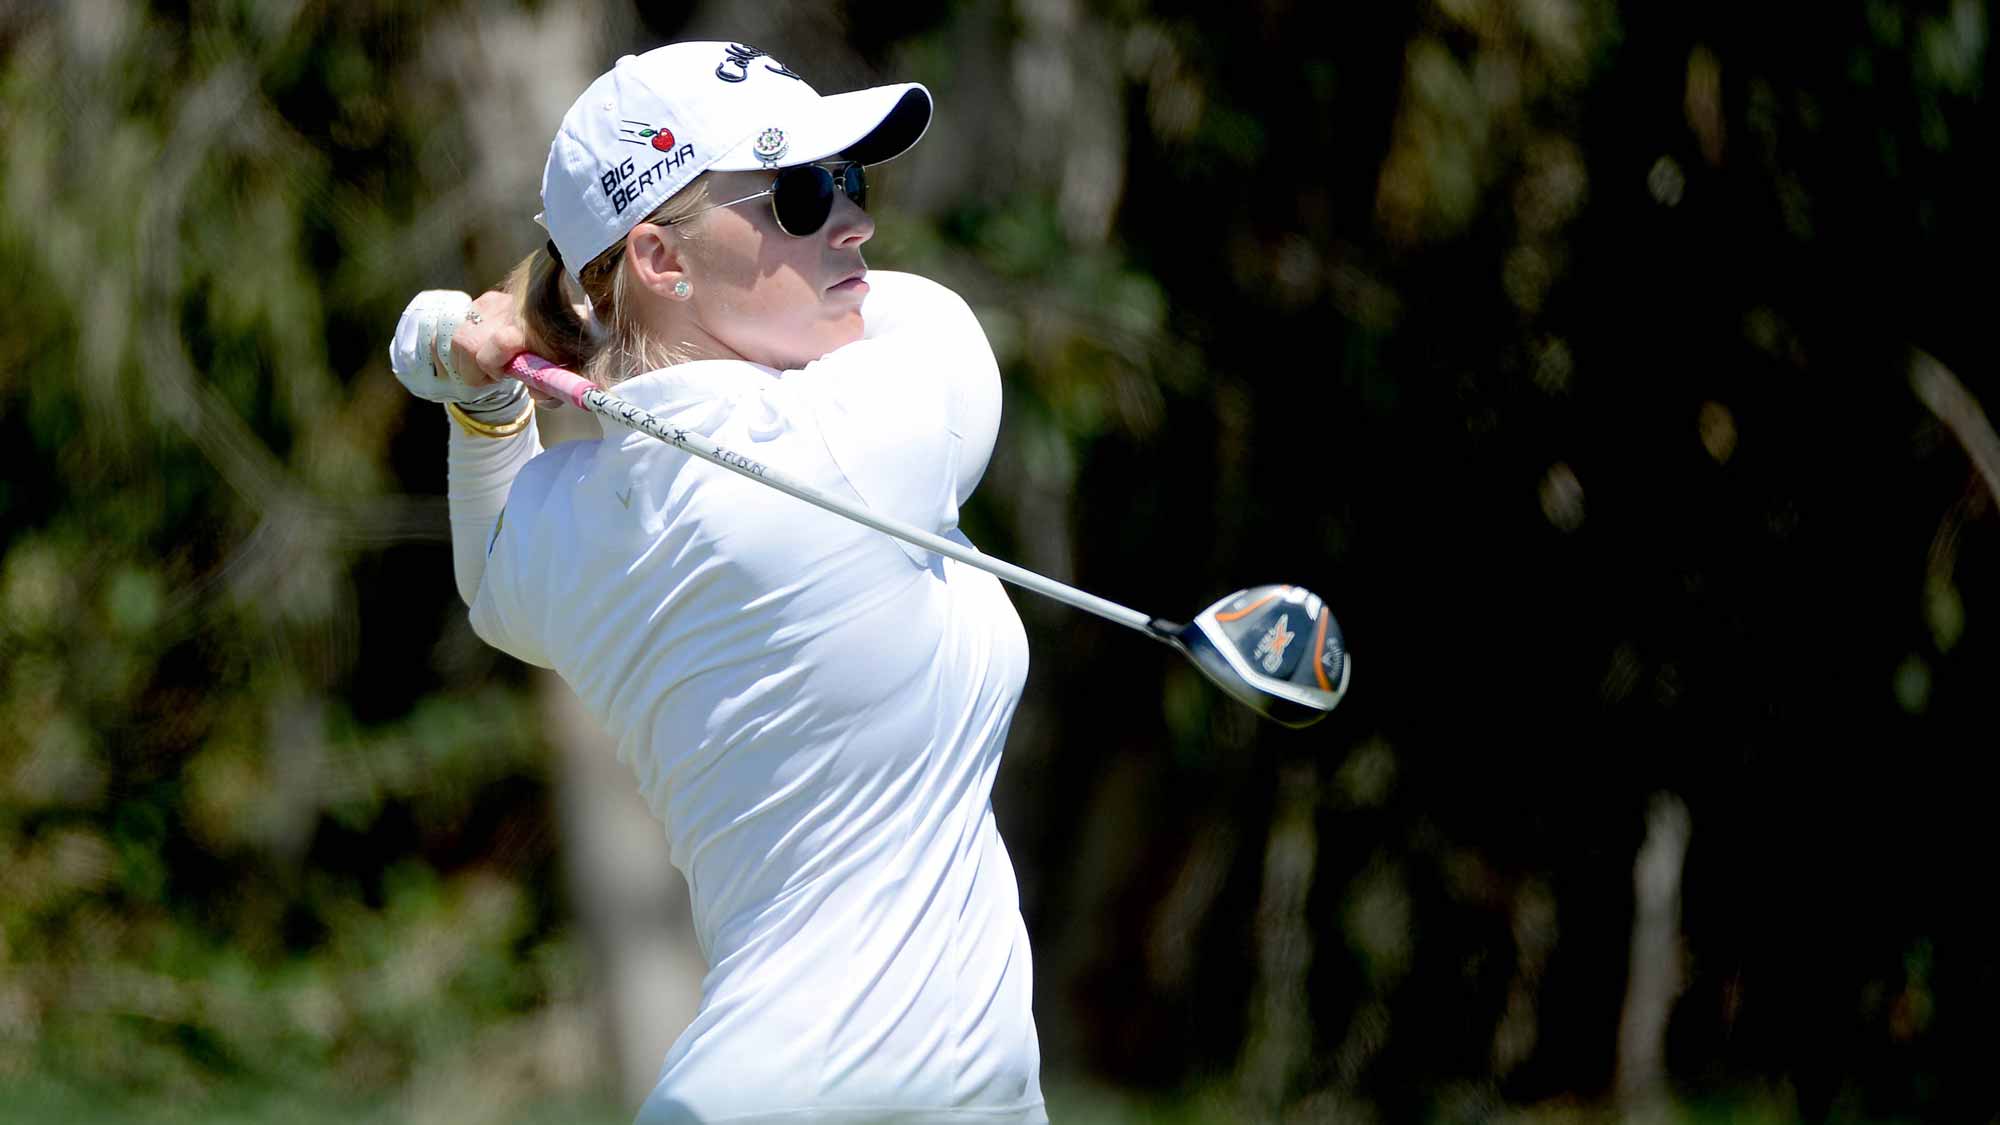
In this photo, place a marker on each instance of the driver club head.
(1276, 649)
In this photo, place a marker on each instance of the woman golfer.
(814, 710)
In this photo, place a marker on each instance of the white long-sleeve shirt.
(814, 710)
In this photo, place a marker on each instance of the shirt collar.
(694, 381)
(698, 394)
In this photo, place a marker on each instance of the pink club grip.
(546, 377)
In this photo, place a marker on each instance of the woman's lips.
(853, 285)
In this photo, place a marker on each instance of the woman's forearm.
(479, 472)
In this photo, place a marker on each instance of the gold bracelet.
(477, 428)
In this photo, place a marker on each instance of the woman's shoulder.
(898, 301)
(907, 315)
(904, 283)
(538, 477)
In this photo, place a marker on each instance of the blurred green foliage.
(232, 838)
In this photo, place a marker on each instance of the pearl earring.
(682, 288)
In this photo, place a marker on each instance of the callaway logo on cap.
(654, 122)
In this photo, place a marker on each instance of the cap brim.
(866, 126)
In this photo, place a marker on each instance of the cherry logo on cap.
(640, 133)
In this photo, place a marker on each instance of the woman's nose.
(848, 225)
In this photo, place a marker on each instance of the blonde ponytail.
(555, 331)
(611, 346)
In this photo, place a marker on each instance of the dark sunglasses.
(802, 196)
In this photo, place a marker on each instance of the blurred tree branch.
(1946, 397)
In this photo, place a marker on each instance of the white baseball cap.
(654, 122)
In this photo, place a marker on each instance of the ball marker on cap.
(771, 146)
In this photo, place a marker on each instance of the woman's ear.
(656, 258)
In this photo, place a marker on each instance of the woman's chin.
(846, 330)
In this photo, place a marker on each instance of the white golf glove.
(421, 356)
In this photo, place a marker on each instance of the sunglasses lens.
(802, 198)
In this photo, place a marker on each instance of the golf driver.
(1276, 649)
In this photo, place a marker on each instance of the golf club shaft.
(571, 387)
